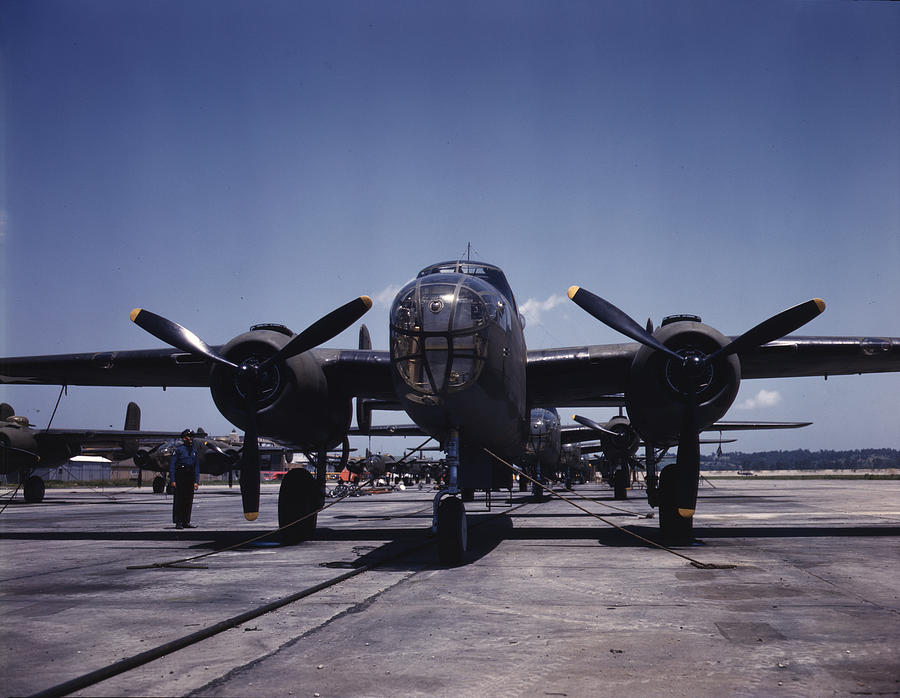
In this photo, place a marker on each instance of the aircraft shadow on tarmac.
(403, 549)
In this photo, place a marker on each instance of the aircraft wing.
(388, 430)
(598, 448)
(102, 442)
(587, 376)
(357, 372)
(151, 367)
(590, 376)
(752, 426)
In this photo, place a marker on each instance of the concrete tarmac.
(551, 602)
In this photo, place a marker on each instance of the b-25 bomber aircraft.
(215, 456)
(24, 448)
(619, 442)
(458, 365)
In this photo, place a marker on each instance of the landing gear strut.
(537, 490)
(449, 520)
(621, 480)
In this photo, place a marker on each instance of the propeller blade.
(688, 461)
(591, 424)
(250, 462)
(612, 317)
(175, 335)
(323, 329)
(774, 328)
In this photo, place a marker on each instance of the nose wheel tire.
(298, 496)
(452, 532)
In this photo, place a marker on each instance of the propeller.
(250, 372)
(694, 367)
(596, 426)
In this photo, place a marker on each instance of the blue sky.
(230, 163)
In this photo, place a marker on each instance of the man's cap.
(187, 433)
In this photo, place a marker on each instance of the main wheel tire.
(33, 490)
(675, 529)
(159, 484)
(298, 496)
(452, 531)
(620, 483)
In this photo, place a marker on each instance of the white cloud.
(763, 399)
(532, 309)
(386, 295)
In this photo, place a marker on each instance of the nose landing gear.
(449, 520)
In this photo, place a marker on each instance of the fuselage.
(543, 446)
(458, 356)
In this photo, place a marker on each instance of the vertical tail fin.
(365, 341)
(132, 417)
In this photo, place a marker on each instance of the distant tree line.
(802, 459)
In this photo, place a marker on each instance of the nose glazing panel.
(438, 334)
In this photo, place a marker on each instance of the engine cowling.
(626, 444)
(294, 402)
(658, 389)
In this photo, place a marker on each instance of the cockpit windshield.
(493, 275)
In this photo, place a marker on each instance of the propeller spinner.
(251, 374)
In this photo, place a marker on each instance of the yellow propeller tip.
(251, 515)
(686, 513)
(572, 291)
(135, 313)
(366, 301)
(819, 302)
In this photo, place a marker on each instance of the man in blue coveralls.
(184, 473)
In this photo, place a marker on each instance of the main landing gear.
(33, 489)
(675, 529)
(159, 484)
(298, 496)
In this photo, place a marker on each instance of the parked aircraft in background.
(458, 365)
(216, 456)
(619, 443)
(24, 449)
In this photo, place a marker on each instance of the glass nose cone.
(438, 333)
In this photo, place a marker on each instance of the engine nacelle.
(626, 444)
(293, 403)
(657, 393)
